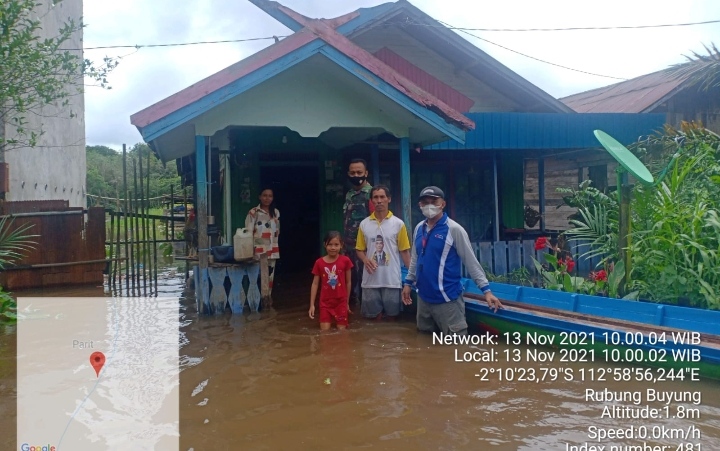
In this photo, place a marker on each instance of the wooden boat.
(678, 342)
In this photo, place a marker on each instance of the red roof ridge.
(324, 29)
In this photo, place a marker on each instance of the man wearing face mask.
(356, 208)
(440, 246)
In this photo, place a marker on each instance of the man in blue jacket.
(439, 247)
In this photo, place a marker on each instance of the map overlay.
(98, 373)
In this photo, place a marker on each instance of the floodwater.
(272, 381)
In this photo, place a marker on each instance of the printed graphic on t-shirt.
(383, 242)
(381, 258)
(332, 278)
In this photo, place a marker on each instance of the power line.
(627, 27)
(276, 38)
(444, 25)
(226, 41)
(532, 57)
(177, 44)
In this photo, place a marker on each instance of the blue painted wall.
(552, 130)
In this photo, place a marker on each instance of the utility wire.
(621, 27)
(532, 57)
(628, 27)
(448, 26)
(139, 46)
(176, 44)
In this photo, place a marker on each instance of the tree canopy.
(105, 174)
(701, 70)
(38, 71)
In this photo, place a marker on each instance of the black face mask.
(357, 181)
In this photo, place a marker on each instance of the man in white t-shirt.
(387, 236)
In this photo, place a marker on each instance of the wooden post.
(142, 233)
(185, 216)
(155, 263)
(375, 158)
(118, 250)
(450, 187)
(111, 273)
(405, 182)
(202, 291)
(227, 200)
(131, 273)
(152, 250)
(125, 216)
(136, 227)
(171, 219)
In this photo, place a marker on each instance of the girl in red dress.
(332, 276)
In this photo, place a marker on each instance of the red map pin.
(97, 360)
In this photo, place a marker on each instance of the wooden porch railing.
(504, 257)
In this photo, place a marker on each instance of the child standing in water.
(333, 277)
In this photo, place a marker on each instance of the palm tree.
(702, 70)
(13, 243)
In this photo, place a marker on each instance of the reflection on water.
(272, 381)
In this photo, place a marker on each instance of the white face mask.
(430, 210)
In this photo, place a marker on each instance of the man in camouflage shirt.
(357, 207)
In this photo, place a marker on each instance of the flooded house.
(388, 84)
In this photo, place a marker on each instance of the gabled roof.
(184, 105)
(218, 80)
(469, 58)
(639, 95)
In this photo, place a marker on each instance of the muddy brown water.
(272, 381)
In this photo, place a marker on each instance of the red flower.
(600, 276)
(541, 243)
(568, 263)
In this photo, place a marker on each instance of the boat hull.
(615, 341)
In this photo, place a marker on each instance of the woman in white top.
(264, 222)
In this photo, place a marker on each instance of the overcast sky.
(148, 75)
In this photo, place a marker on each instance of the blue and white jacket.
(436, 258)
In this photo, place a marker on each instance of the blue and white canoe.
(681, 341)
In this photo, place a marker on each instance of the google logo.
(27, 447)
